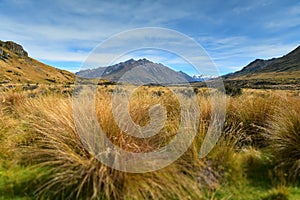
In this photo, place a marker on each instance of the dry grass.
(40, 133)
(252, 111)
(18, 70)
(283, 135)
(74, 170)
(12, 128)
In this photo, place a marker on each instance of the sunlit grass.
(43, 157)
(283, 135)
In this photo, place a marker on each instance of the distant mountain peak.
(130, 61)
(140, 61)
(144, 60)
(141, 71)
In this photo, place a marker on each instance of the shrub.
(233, 90)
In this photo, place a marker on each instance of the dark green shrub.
(233, 90)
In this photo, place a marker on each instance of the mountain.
(286, 67)
(275, 73)
(250, 68)
(140, 71)
(16, 67)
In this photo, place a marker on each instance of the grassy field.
(43, 157)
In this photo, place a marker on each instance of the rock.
(3, 55)
(14, 47)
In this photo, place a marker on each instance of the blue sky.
(63, 33)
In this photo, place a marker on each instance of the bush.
(233, 90)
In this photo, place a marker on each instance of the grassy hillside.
(17, 68)
(283, 72)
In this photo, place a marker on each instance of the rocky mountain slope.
(140, 71)
(16, 67)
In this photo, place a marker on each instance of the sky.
(233, 33)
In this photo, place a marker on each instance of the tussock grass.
(40, 142)
(73, 170)
(283, 135)
(225, 158)
(251, 112)
(12, 128)
(9, 100)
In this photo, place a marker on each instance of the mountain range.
(16, 67)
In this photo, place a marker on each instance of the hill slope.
(283, 71)
(140, 71)
(277, 67)
(16, 67)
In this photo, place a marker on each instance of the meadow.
(43, 157)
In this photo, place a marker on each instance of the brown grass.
(40, 133)
(18, 70)
(283, 135)
(74, 170)
(251, 112)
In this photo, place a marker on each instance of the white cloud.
(66, 31)
(54, 31)
(288, 17)
(233, 53)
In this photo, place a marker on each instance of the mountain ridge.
(280, 66)
(140, 71)
(276, 73)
